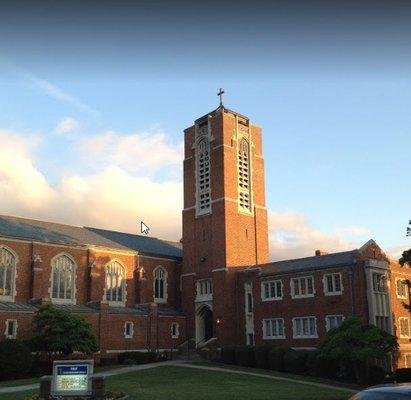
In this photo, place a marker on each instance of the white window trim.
(279, 337)
(177, 325)
(160, 300)
(13, 278)
(263, 298)
(327, 325)
(115, 303)
(399, 325)
(301, 296)
(204, 297)
(15, 329)
(334, 293)
(74, 291)
(396, 289)
(131, 330)
(305, 336)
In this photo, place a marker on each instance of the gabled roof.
(332, 260)
(51, 232)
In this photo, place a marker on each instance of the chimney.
(319, 253)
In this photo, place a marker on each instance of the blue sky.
(329, 83)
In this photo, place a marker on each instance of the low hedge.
(261, 356)
(403, 375)
(295, 361)
(228, 354)
(137, 357)
(15, 359)
(244, 356)
(276, 358)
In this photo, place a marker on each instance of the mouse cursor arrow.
(144, 228)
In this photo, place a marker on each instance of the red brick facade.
(220, 283)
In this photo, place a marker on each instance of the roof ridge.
(306, 258)
(134, 234)
(41, 220)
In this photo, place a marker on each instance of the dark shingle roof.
(344, 258)
(23, 228)
(142, 244)
(75, 308)
(24, 307)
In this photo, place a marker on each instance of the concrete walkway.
(184, 364)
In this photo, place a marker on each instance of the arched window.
(160, 285)
(115, 282)
(203, 177)
(62, 278)
(8, 263)
(244, 176)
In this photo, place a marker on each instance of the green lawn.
(178, 383)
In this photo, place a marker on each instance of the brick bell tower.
(224, 219)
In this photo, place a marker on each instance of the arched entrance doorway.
(204, 325)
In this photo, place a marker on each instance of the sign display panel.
(72, 377)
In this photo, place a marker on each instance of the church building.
(217, 286)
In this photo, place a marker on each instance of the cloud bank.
(120, 192)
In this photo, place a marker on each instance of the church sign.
(72, 378)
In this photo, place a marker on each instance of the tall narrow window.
(115, 282)
(160, 285)
(244, 199)
(62, 286)
(203, 177)
(7, 272)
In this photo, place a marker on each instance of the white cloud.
(291, 235)
(137, 152)
(66, 125)
(113, 198)
(110, 198)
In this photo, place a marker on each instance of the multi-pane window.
(115, 282)
(175, 330)
(160, 285)
(333, 321)
(128, 329)
(244, 176)
(7, 272)
(62, 286)
(11, 329)
(382, 322)
(332, 284)
(273, 328)
(305, 327)
(272, 290)
(379, 282)
(402, 288)
(204, 288)
(302, 287)
(404, 327)
(203, 177)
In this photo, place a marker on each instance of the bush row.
(137, 357)
(302, 362)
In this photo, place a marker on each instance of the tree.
(58, 331)
(355, 343)
(406, 255)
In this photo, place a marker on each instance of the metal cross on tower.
(220, 93)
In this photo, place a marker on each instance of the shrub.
(376, 375)
(403, 375)
(106, 361)
(228, 354)
(276, 358)
(244, 356)
(15, 359)
(295, 361)
(137, 357)
(261, 353)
